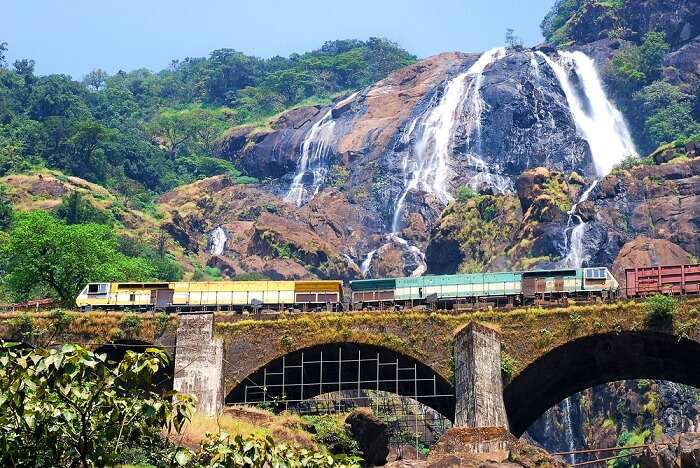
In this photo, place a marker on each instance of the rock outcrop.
(371, 435)
(682, 451)
(491, 447)
(658, 202)
(644, 251)
(679, 20)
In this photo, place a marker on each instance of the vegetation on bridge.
(91, 329)
(527, 333)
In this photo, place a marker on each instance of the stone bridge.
(488, 368)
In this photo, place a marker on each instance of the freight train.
(462, 291)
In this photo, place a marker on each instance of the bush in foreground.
(71, 407)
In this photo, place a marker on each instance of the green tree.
(74, 209)
(6, 208)
(96, 79)
(634, 66)
(668, 110)
(71, 407)
(3, 51)
(174, 129)
(43, 251)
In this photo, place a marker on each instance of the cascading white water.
(418, 255)
(575, 257)
(569, 428)
(314, 157)
(597, 120)
(217, 241)
(314, 150)
(367, 263)
(428, 167)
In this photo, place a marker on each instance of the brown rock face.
(658, 202)
(265, 234)
(645, 251)
(682, 451)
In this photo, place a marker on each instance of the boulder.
(371, 435)
(643, 251)
(488, 447)
(295, 118)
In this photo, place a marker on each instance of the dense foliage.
(554, 22)
(72, 407)
(140, 130)
(660, 310)
(658, 111)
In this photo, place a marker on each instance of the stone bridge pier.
(478, 381)
(199, 361)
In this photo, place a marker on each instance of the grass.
(246, 421)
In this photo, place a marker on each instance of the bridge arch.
(325, 368)
(594, 360)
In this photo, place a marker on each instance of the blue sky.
(76, 36)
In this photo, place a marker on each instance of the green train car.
(505, 288)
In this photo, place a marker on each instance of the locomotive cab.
(93, 294)
(600, 279)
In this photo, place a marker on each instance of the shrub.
(130, 325)
(660, 310)
(331, 431)
(23, 327)
(465, 193)
(507, 366)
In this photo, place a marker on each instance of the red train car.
(670, 279)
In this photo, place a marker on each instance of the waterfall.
(597, 119)
(313, 162)
(574, 259)
(569, 428)
(367, 263)
(429, 168)
(217, 241)
(314, 151)
(418, 255)
(599, 122)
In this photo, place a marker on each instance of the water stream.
(312, 166)
(600, 123)
(597, 120)
(217, 241)
(426, 168)
(569, 429)
(575, 256)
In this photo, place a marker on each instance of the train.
(456, 292)
(237, 296)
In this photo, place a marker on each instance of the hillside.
(359, 160)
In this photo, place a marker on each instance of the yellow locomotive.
(215, 295)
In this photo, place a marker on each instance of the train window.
(595, 273)
(97, 288)
(132, 297)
